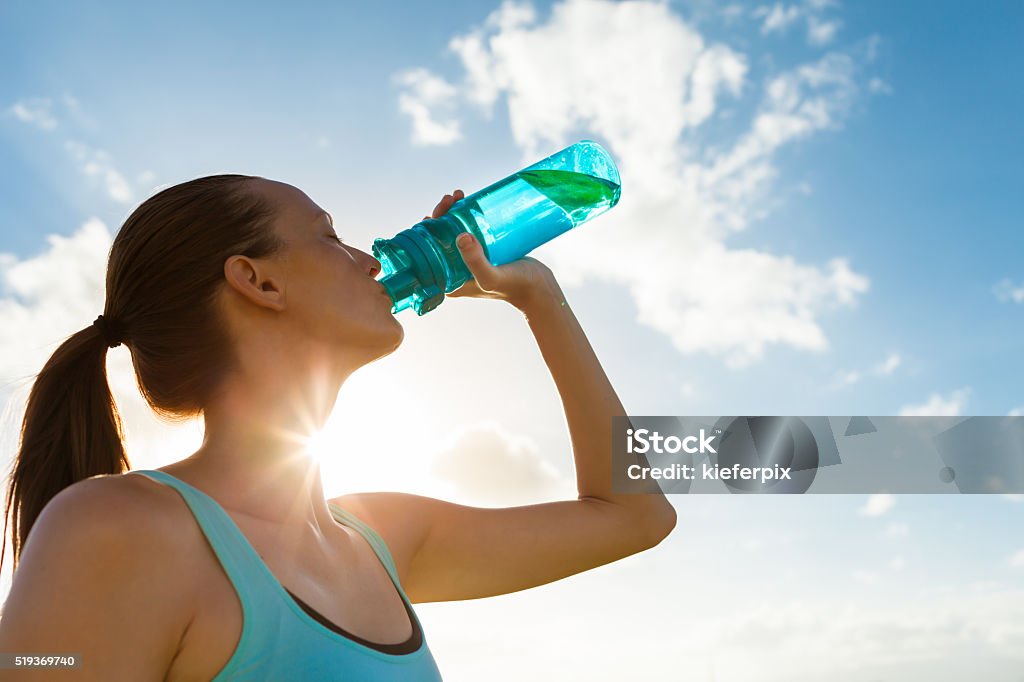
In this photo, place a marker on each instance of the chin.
(399, 336)
(393, 339)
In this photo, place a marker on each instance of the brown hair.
(165, 269)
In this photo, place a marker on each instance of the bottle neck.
(414, 273)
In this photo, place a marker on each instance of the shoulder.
(116, 545)
(107, 529)
(399, 519)
(383, 512)
(109, 507)
(110, 528)
(106, 494)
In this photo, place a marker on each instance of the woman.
(239, 303)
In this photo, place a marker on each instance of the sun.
(363, 447)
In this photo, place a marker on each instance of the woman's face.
(330, 287)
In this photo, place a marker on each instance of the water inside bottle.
(578, 194)
(534, 206)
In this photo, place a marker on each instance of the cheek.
(338, 297)
(332, 280)
(320, 296)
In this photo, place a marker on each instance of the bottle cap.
(414, 275)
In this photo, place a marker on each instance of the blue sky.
(830, 227)
(916, 189)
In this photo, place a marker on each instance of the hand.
(521, 282)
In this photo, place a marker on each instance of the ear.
(255, 281)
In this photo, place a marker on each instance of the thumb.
(472, 253)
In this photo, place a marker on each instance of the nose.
(372, 265)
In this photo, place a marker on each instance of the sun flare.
(362, 448)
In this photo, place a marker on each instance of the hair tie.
(111, 329)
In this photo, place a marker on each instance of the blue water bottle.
(509, 218)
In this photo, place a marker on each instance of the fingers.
(472, 253)
(446, 203)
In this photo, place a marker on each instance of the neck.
(254, 458)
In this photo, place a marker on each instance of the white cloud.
(777, 17)
(846, 378)
(423, 99)
(97, 163)
(897, 530)
(879, 86)
(889, 365)
(821, 32)
(938, 406)
(492, 466)
(877, 505)
(1016, 412)
(872, 46)
(94, 163)
(1017, 560)
(37, 111)
(50, 296)
(849, 639)
(71, 103)
(1006, 290)
(883, 368)
(643, 81)
(731, 13)
(897, 563)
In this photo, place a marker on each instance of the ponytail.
(71, 431)
(165, 271)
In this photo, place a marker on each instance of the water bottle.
(509, 218)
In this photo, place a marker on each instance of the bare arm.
(96, 580)
(446, 551)
(589, 402)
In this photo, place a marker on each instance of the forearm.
(589, 402)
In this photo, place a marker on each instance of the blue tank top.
(280, 641)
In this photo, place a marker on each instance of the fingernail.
(464, 240)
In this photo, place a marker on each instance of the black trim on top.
(407, 647)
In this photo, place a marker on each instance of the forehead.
(294, 211)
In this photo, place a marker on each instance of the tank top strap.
(242, 565)
(377, 543)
